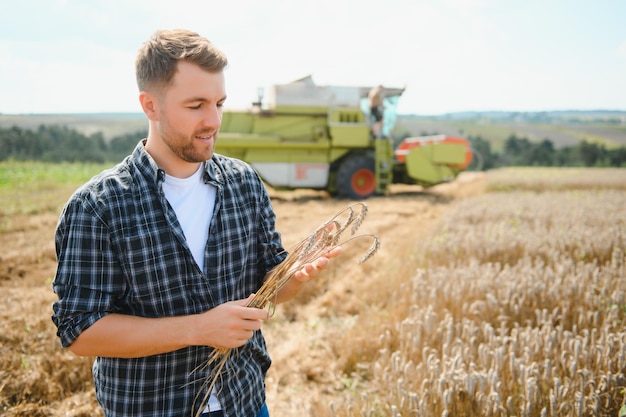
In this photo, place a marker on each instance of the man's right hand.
(229, 325)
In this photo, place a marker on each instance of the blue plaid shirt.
(120, 249)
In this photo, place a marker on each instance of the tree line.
(520, 151)
(62, 144)
(55, 143)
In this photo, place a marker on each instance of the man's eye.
(195, 107)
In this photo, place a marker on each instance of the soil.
(39, 378)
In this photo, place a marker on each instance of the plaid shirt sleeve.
(88, 280)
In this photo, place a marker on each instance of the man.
(158, 256)
(376, 97)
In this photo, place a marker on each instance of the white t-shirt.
(194, 202)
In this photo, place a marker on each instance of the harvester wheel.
(356, 177)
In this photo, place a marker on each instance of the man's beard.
(183, 146)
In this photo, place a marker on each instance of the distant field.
(561, 133)
(33, 187)
(110, 125)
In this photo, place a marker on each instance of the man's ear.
(149, 104)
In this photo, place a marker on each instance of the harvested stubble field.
(501, 294)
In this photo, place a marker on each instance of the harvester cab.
(310, 136)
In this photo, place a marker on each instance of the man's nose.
(212, 117)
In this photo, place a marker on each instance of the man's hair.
(158, 57)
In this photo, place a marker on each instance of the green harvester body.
(320, 137)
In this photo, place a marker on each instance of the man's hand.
(305, 274)
(309, 271)
(229, 325)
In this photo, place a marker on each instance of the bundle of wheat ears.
(324, 239)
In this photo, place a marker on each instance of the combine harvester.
(320, 137)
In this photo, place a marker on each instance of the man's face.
(190, 112)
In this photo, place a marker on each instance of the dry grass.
(517, 308)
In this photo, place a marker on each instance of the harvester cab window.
(390, 113)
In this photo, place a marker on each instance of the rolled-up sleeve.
(88, 279)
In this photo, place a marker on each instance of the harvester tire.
(356, 177)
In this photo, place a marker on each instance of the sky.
(77, 56)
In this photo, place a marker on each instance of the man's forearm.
(123, 336)
(227, 325)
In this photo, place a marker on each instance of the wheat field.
(516, 308)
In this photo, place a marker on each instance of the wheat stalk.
(319, 243)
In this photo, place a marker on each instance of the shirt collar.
(213, 174)
(149, 169)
